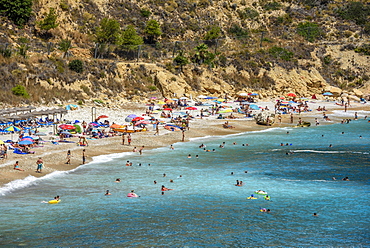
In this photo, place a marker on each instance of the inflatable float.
(54, 201)
(260, 192)
(132, 195)
(251, 198)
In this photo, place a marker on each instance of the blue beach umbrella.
(25, 142)
(12, 129)
(327, 94)
(254, 107)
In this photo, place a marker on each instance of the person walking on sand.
(16, 166)
(68, 157)
(40, 164)
(129, 139)
(123, 138)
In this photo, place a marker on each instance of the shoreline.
(55, 156)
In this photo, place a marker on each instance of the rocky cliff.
(256, 47)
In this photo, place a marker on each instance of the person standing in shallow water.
(40, 164)
(68, 157)
(83, 156)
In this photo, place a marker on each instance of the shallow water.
(205, 208)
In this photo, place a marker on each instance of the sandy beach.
(55, 156)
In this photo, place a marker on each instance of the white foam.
(109, 157)
(29, 181)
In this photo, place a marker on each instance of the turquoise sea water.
(205, 209)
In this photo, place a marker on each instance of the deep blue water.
(205, 209)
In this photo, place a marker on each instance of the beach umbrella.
(191, 108)
(202, 97)
(141, 122)
(221, 100)
(116, 126)
(138, 118)
(210, 97)
(327, 94)
(66, 127)
(77, 128)
(243, 94)
(12, 129)
(254, 107)
(27, 139)
(161, 102)
(281, 98)
(225, 111)
(2, 142)
(169, 109)
(94, 124)
(102, 117)
(25, 142)
(291, 94)
(183, 98)
(252, 94)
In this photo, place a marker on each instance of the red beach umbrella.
(67, 127)
(292, 95)
(138, 118)
(191, 108)
(102, 117)
(169, 109)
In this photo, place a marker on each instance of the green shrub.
(272, 6)
(6, 52)
(145, 13)
(76, 65)
(50, 21)
(152, 88)
(64, 5)
(327, 59)
(212, 33)
(365, 49)
(355, 11)
(248, 13)
(19, 11)
(20, 90)
(309, 30)
(237, 31)
(282, 53)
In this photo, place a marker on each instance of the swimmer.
(189, 156)
(107, 193)
(171, 147)
(266, 197)
(237, 183)
(196, 156)
(345, 179)
(171, 181)
(315, 214)
(165, 189)
(118, 180)
(232, 173)
(334, 178)
(330, 145)
(128, 163)
(234, 143)
(268, 210)
(221, 146)
(240, 183)
(155, 182)
(164, 174)
(245, 171)
(213, 150)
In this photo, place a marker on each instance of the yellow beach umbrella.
(161, 102)
(221, 100)
(2, 142)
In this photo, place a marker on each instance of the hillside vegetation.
(112, 51)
